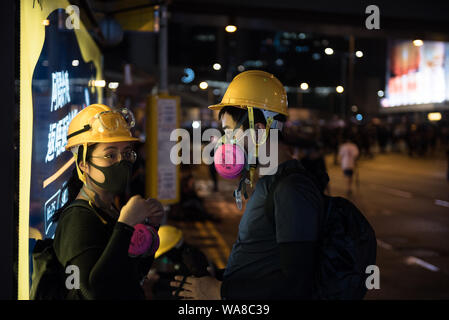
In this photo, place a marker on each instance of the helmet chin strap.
(82, 177)
(252, 167)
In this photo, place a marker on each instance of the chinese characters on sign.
(166, 119)
(60, 91)
(57, 136)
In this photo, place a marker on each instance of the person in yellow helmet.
(92, 233)
(275, 254)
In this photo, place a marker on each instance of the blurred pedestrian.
(383, 135)
(213, 172)
(365, 135)
(348, 154)
(314, 162)
(191, 205)
(447, 158)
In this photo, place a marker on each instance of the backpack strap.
(88, 206)
(269, 202)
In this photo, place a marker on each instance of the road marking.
(393, 191)
(384, 245)
(221, 242)
(212, 252)
(442, 203)
(399, 193)
(414, 260)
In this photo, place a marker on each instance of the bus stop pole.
(163, 50)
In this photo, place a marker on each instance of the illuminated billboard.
(58, 63)
(418, 74)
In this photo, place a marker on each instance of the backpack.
(48, 277)
(347, 245)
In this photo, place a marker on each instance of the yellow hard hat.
(169, 237)
(255, 88)
(99, 123)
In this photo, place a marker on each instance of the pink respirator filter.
(144, 241)
(229, 160)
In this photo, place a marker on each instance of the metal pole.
(163, 50)
(299, 97)
(344, 66)
(350, 100)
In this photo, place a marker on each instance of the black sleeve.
(109, 273)
(105, 269)
(297, 210)
(295, 280)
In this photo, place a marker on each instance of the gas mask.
(231, 159)
(117, 176)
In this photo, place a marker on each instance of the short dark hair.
(237, 113)
(74, 184)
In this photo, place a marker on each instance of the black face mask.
(116, 176)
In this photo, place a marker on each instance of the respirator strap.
(238, 192)
(252, 169)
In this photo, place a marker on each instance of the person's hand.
(148, 284)
(137, 209)
(155, 211)
(134, 211)
(202, 288)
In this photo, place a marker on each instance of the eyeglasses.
(114, 157)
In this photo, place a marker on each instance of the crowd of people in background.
(345, 141)
(416, 138)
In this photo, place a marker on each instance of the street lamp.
(231, 28)
(339, 89)
(418, 42)
(113, 85)
(359, 54)
(304, 86)
(216, 66)
(329, 51)
(204, 85)
(434, 116)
